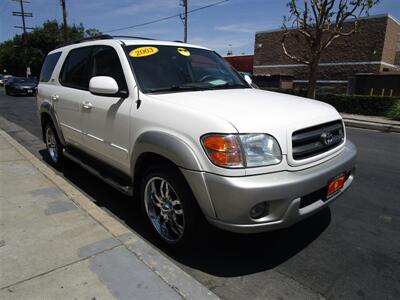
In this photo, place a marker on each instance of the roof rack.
(106, 37)
(131, 37)
(92, 38)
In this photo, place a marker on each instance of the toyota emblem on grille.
(327, 138)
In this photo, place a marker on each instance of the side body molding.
(47, 108)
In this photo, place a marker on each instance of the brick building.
(242, 63)
(374, 49)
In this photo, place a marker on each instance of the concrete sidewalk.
(371, 122)
(56, 244)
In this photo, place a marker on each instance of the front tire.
(170, 207)
(53, 145)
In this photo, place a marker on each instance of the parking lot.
(348, 251)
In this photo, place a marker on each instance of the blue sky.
(232, 23)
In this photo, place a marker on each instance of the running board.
(126, 189)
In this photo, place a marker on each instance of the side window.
(48, 66)
(76, 69)
(106, 63)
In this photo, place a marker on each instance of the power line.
(166, 18)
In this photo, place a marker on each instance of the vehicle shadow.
(227, 254)
(220, 253)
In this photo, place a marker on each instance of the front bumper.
(233, 197)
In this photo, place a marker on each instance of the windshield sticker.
(143, 51)
(184, 51)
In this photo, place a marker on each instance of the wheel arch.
(47, 114)
(163, 148)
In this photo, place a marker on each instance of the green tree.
(92, 32)
(318, 23)
(14, 57)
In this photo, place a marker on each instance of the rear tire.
(53, 145)
(170, 207)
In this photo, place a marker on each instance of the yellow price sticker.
(184, 51)
(143, 51)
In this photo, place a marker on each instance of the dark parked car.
(21, 86)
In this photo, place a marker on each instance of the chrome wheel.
(51, 144)
(164, 209)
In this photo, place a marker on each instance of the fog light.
(258, 211)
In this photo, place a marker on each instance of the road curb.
(371, 125)
(169, 272)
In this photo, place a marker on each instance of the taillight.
(223, 150)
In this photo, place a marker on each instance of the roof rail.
(92, 38)
(105, 37)
(131, 37)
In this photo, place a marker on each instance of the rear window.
(48, 66)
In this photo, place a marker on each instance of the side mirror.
(248, 79)
(103, 86)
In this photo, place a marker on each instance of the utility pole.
(23, 14)
(184, 19)
(64, 9)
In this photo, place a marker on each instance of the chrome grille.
(318, 139)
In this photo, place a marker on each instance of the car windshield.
(22, 80)
(160, 68)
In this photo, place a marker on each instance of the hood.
(25, 84)
(256, 111)
(252, 110)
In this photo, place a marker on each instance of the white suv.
(174, 125)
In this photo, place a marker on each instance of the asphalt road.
(348, 251)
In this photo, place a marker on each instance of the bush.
(388, 107)
(364, 105)
(394, 111)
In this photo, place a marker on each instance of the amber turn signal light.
(223, 150)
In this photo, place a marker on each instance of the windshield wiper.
(230, 86)
(177, 88)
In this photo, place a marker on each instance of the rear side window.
(76, 70)
(48, 66)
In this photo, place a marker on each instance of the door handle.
(86, 105)
(54, 97)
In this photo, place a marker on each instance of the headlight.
(260, 150)
(242, 150)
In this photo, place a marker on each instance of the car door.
(106, 119)
(74, 78)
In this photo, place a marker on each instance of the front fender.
(177, 151)
(47, 108)
(168, 146)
